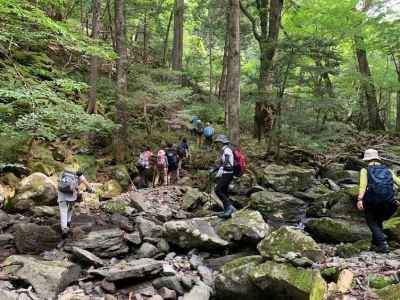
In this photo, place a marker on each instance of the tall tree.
(177, 51)
(94, 61)
(269, 20)
(396, 62)
(165, 47)
(122, 80)
(233, 70)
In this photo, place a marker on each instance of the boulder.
(2, 194)
(45, 211)
(191, 198)
(10, 179)
(234, 281)
(90, 201)
(245, 225)
(147, 250)
(283, 281)
(392, 228)
(390, 292)
(288, 178)
(121, 175)
(36, 189)
(284, 240)
(103, 243)
(6, 240)
(116, 206)
(337, 173)
(88, 164)
(314, 193)
(193, 233)
(133, 269)
(352, 249)
(198, 292)
(148, 228)
(5, 219)
(110, 189)
(377, 281)
(337, 231)
(48, 278)
(87, 258)
(171, 282)
(278, 207)
(34, 239)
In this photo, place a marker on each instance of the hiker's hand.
(360, 205)
(90, 190)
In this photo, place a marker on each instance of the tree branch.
(252, 21)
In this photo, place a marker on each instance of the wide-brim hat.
(371, 154)
(222, 139)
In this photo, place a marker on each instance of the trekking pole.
(133, 187)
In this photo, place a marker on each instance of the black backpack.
(182, 151)
(172, 158)
(68, 182)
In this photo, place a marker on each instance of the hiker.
(376, 197)
(183, 153)
(225, 176)
(68, 192)
(144, 166)
(199, 132)
(194, 123)
(161, 168)
(172, 158)
(208, 133)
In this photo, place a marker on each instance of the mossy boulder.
(110, 189)
(337, 172)
(10, 179)
(288, 178)
(390, 292)
(337, 231)
(377, 281)
(330, 274)
(121, 175)
(36, 189)
(352, 249)
(245, 225)
(278, 207)
(88, 165)
(283, 281)
(285, 240)
(392, 228)
(116, 206)
(234, 281)
(42, 160)
(191, 198)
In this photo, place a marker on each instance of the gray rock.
(87, 257)
(48, 278)
(168, 270)
(4, 219)
(206, 275)
(8, 295)
(170, 282)
(122, 222)
(148, 228)
(191, 199)
(6, 239)
(163, 245)
(199, 292)
(193, 233)
(133, 238)
(45, 211)
(147, 250)
(103, 243)
(167, 294)
(34, 239)
(108, 286)
(140, 268)
(196, 261)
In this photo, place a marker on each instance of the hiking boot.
(228, 212)
(382, 248)
(65, 233)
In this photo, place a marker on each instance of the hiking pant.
(172, 176)
(221, 190)
(375, 216)
(199, 139)
(179, 171)
(161, 175)
(143, 172)
(66, 210)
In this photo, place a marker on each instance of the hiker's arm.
(396, 179)
(362, 188)
(86, 184)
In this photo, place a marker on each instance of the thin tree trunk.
(368, 87)
(145, 37)
(164, 60)
(224, 74)
(396, 62)
(81, 17)
(122, 82)
(94, 61)
(233, 84)
(110, 20)
(177, 51)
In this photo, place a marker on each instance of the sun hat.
(371, 154)
(222, 139)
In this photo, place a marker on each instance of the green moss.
(330, 274)
(377, 281)
(353, 249)
(116, 206)
(236, 263)
(392, 228)
(391, 292)
(88, 165)
(120, 174)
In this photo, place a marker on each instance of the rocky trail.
(297, 236)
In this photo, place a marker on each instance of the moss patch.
(392, 228)
(391, 292)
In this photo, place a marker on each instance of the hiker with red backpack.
(376, 197)
(232, 163)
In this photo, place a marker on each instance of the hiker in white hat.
(376, 197)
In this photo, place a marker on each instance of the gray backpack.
(68, 182)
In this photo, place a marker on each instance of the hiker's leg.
(378, 238)
(156, 177)
(70, 211)
(221, 190)
(63, 206)
(165, 175)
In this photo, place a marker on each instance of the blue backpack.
(208, 132)
(380, 185)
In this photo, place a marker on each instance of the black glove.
(90, 190)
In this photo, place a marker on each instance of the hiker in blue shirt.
(208, 133)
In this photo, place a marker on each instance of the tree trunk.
(122, 81)
(396, 62)
(164, 60)
(368, 87)
(233, 83)
(177, 51)
(110, 20)
(145, 37)
(224, 74)
(94, 61)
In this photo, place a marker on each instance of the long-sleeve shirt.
(227, 161)
(364, 180)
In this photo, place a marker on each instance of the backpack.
(380, 185)
(172, 159)
(68, 182)
(182, 151)
(208, 132)
(161, 159)
(239, 166)
(142, 160)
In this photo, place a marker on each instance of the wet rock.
(193, 233)
(246, 225)
(111, 189)
(285, 240)
(45, 211)
(391, 292)
(140, 268)
(167, 294)
(87, 258)
(34, 239)
(103, 243)
(337, 231)
(283, 281)
(36, 189)
(170, 282)
(288, 178)
(148, 228)
(147, 250)
(234, 281)
(278, 207)
(192, 198)
(48, 278)
(392, 228)
(199, 292)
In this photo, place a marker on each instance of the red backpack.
(239, 163)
